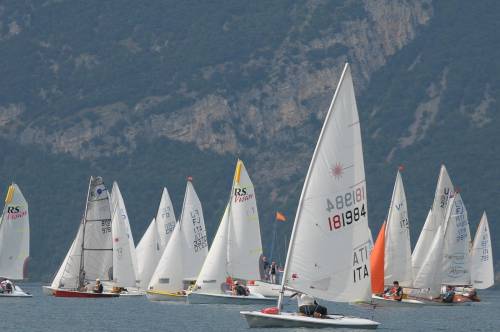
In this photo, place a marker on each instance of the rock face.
(297, 91)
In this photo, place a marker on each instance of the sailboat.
(184, 255)
(90, 256)
(448, 258)
(14, 239)
(236, 249)
(435, 218)
(124, 254)
(328, 255)
(391, 256)
(155, 240)
(482, 274)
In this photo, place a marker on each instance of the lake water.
(43, 313)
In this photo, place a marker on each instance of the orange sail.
(377, 263)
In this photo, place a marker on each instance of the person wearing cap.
(98, 288)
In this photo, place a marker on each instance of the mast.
(306, 181)
(81, 275)
(231, 195)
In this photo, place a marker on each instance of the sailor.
(239, 289)
(272, 272)
(448, 295)
(309, 307)
(98, 288)
(266, 266)
(6, 286)
(395, 292)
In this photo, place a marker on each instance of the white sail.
(169, 275)
(457, 239)
(244, 241)
(397, 256)
(482, 273)
(195, 234)
(67, 275)
(213, 273)
(186, 250)
(97, 258)
(444, 191)
(430, 274)
(148, 253)
(328, 255)
(165, 219)
(124, 255)
(14, 234)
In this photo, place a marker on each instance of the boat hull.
(267, 289)
(257, 319)
(205, 298)
(381, 301)
(77, 294)
(18, 292)
(165, 296)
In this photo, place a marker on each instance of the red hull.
(70, 293)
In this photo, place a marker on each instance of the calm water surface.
(43, 313)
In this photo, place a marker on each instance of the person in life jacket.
(98, 288)
(309, 307)
(448, 295)
(6, 286)
(395, 292)
(273, 271)
(239, 289)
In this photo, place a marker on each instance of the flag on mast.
(280, 216)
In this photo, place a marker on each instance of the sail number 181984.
(346, 208)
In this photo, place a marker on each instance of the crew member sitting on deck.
(239, 289)
(395, 292)
(448, 295)
(309, 307)
(98, 288)
(6, 286)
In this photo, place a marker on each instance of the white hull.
(267, 289)
(18, 292)
(47, 290)
(380, 301)
(285, 319)
(205, 298)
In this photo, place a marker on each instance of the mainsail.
(14, 234)
(237, 246)
(397, 261)
(328, 256)
(213, 274)
(165, 219)
(444, 191)
(456, 258)
(482, 275)
(186, 250)
(91, 254)
(124, 254)
(244, 241)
